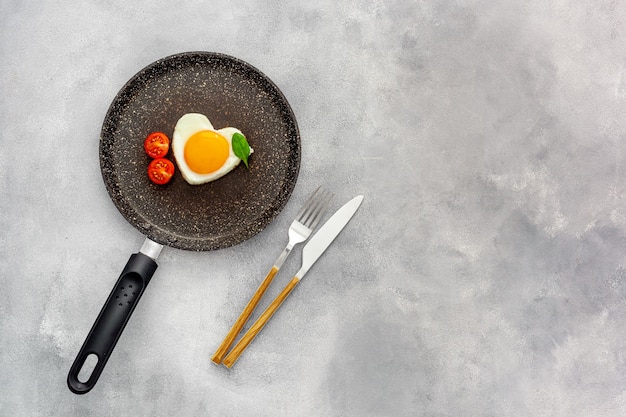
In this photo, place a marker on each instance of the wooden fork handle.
(259, 324)
(243, 317)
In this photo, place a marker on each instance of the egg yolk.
(206, 151)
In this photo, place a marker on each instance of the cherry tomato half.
(160, 171)
(157, 144)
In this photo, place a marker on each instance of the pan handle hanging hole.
(88, 367)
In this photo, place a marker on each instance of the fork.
(301, 228)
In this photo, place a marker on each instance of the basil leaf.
(241, 147)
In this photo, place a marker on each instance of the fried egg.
(202, 153)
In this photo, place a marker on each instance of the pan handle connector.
(112, 319)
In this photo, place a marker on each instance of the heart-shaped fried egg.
(202, 153)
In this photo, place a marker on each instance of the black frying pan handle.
(112, 319)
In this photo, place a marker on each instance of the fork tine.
(320, 213)
(317, 209)
(310, 205)
(311, 208)
(307, 204)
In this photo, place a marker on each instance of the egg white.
(190, 124)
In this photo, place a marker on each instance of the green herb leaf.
(241, 147)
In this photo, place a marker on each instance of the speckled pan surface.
(229, 92)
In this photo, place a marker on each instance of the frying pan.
(220, 214)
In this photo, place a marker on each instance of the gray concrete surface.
(483, 276)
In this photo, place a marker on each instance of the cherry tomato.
(157, 144)
(160, 171)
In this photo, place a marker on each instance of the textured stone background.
(483, 276)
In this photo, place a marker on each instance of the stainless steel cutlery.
(298, 232)
(301, 228)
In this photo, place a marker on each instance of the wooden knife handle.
(243, 317)
(259, 324)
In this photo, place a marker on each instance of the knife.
(311, 253)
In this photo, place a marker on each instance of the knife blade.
(327, 234)
(310, 254)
